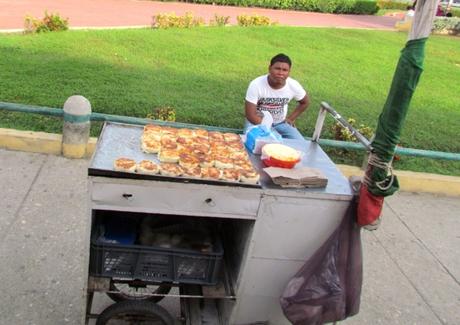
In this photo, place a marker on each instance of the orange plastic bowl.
(273, 162)
(278, 155)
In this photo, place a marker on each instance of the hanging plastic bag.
(328, 286)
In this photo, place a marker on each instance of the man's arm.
(251, 113)
(301, 107)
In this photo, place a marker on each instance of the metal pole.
(361, 138)
(319, 124)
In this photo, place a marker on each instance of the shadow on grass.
(45, 79)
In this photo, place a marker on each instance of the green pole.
(142, 121)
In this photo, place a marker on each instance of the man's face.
(279, 72)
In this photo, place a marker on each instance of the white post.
(75, 133)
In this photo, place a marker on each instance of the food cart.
(265, 232)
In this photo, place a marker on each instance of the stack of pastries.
(194, 153)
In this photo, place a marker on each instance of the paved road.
(411, 269)
(112, 13)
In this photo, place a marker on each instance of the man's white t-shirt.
(274, 101)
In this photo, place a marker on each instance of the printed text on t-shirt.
(273, 105)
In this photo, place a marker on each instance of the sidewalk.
(411, 269)
(116, 13)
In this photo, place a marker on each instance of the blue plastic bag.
(258, 136)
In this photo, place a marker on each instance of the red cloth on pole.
(369, 206)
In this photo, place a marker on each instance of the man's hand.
(302, 106)
(252, 114)
(290, 121)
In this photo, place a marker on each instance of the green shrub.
(306, 5)
(344, 7)
(389, 4)
(343, 134)
(49, 23)
(173, 21)
(446, 25)
(253, 20)
(326, 6)
(367, 7)
(219, 20)
(363, 7)
(166, 113)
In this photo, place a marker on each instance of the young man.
(272, 93)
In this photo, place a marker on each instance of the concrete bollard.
(75, 133)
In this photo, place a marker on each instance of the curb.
(21, 30)
(50, 143)
(416, 182)
(38, 142)
(77, 28)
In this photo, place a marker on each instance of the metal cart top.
(123, 140)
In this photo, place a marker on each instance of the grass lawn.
(204, 72)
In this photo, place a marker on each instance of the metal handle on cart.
(127, 196)
(326, 108)
(210, 202)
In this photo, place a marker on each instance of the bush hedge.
(361, 7)
(171, 20)
(445, 25)
(389, 4)
(49, 23)
(253, 20)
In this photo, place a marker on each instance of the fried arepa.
(192, 172)
(235, 146)
(168, 130)
(201, 141)
(201, 133)
(188, 160)
(150, 146)
(217, 143)
(243, 165)
(216, 135)
(125, 165)
(223, 161)
(184, 141)
(231, 174)
(185, 133)
(168, 142)
(151, 136)
(169, 169)
(249, 176)
(206, 160)
(211, 173)
(168, 155)
(239, 155)
(147, 167)
(152, 131)
(199, 147)
(152, 128)
(231, 137)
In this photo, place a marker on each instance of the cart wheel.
(135, 312)
(137, 291)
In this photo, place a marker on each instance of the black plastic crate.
(155, 264)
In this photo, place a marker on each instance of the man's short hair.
(281, 58)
